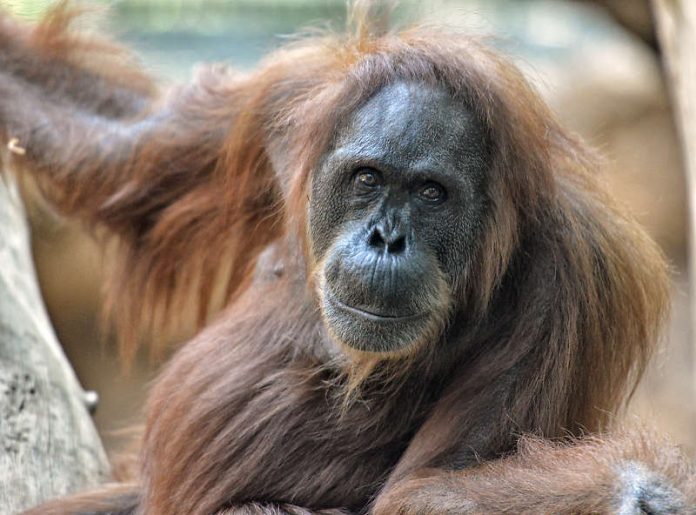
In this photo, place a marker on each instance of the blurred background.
(597, 63)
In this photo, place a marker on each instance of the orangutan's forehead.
(415, 123)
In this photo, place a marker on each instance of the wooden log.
(49, 446)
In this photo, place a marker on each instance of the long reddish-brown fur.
(559, 310)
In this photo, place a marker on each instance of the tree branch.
(49, 446)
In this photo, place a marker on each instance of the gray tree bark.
(48, 444)
(676, 28)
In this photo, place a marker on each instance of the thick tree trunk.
(676, 27)
(49, 444)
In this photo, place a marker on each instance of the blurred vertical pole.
(676, 28)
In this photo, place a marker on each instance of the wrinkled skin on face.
(395, 208)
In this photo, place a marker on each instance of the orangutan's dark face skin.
(395, 210)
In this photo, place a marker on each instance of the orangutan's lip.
(375, 317)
